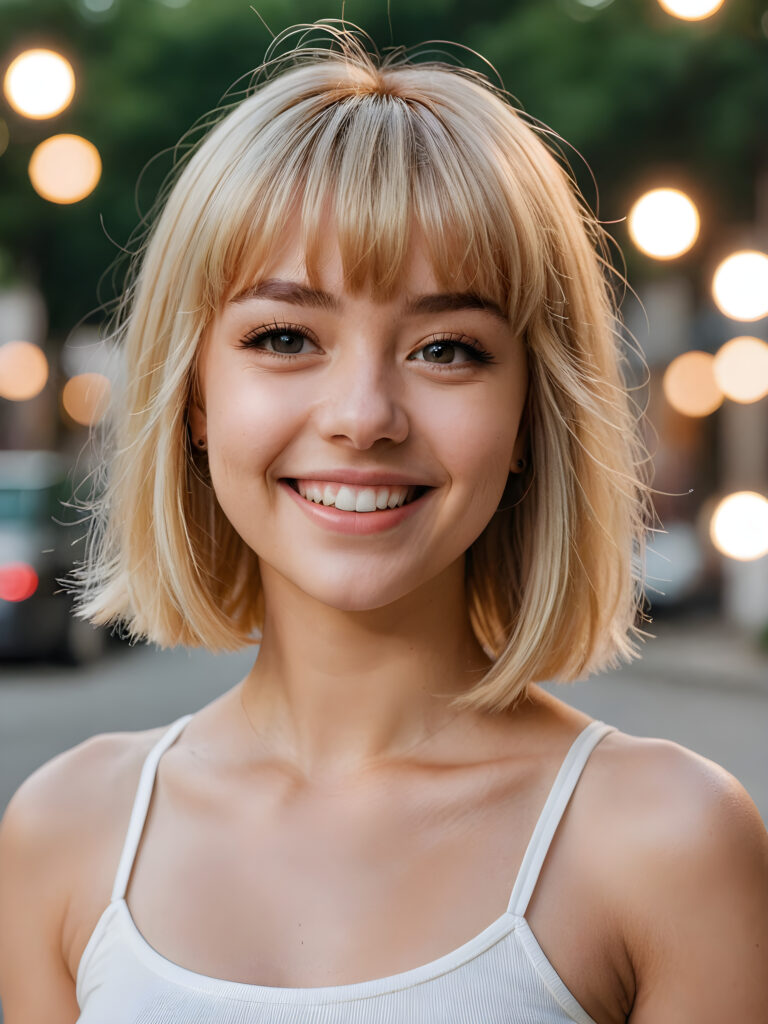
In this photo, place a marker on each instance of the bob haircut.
(552, 582)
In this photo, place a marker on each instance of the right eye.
(284, 340)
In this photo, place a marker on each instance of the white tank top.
(500, 976)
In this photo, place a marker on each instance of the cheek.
(249, 423)
(474, 439)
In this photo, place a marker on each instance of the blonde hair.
(553, 583)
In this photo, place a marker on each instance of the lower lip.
(360, 523)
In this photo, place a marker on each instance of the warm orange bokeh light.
(85, 398)
(739, 526)
(65, 168)
(741, 369)
(663, 223)
(39, 83)
(23, 370)
(740, 285)
(691, 10)
(689, 384)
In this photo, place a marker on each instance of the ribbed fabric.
(500, 976)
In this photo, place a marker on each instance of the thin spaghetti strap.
(141, 806)
(552, 812)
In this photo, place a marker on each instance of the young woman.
(374, 419)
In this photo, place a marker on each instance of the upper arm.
(697, 931)
(35, 984)
(59, 838)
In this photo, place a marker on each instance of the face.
(324, 410)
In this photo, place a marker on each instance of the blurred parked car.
(35, 552)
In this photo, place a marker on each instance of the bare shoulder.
(62, 828)
(72, 791)
(666, 794)
(683, 854)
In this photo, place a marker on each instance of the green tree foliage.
(641, 98)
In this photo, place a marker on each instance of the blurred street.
(699, 683)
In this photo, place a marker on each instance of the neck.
(337, 693)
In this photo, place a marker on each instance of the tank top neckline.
(512, 919)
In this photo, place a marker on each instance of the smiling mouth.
(361, 499)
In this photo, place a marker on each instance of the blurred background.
(664, 106)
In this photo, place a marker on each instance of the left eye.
(443, 352)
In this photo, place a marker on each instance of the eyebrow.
(301, 295)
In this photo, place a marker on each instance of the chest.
(291, 889)
(306, 889)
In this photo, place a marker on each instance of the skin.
(369, 829)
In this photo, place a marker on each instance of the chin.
(358, 596)
(350, 588)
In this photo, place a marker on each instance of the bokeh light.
(65, 168)
(689, 384)
(691, 10)
(741, 369)
(739, 526)
(39, 83)
(740, 285)
(23, 370)
(664, 223)
(85, 398)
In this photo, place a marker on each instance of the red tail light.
(18, 581)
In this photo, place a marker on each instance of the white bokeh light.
(691, 10)
(664, 223)
(739, 526)
(39, 83)
(740, 285)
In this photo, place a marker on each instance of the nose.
(363, 401)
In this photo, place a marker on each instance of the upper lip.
(362, 477)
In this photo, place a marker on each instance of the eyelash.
(473, 348)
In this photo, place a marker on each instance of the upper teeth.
(354, 499)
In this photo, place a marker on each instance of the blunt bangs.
(382, 164)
